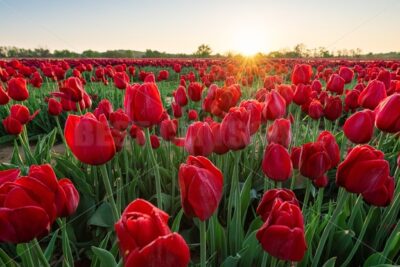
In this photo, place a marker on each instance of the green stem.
(107, 185)
(156, 170)
(203, 243)
(264, 260)
(360, 237)
(307, 195)
(39, 253)
(341, 201)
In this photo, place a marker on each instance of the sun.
(248, 41)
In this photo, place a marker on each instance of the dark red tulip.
(201, 184)
(219, 145)
(119, 138)
(235, 128)
(169, 129)
(314, 160)
(321, 182)
(274, 197)
(199, 139)
(194, 91)
(295, 157)
(4, 98)
(154, 141)
(388, 115)
(315, 110)
(335, 84)
(192, 115)
(384, 76)
(276, 163)
(146, 240)
(12, 126)
(17, 89)
(316, 86)
(72, 89)
(282, 235)
(302, 94)
(255, 109)
(347, 74)
(9, 175)
(176, 110)
(331, 147)
(301, 74)
(359, 127)
(121, 80)
(365, 171)
(333, 108)
(90, 139)
(180, 96)
(143, 104)
(351, 100)
(372, 95)
(140, 137)
(286, 92)
(119, 120)
(274, 106)
(54, 107)
(280, 133)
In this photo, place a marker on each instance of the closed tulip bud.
(104, 107)
(274, 197)
(302, 94)
(4, 98)
(255, 109)
(143, 104)
(314, 160)
(321, 182)
(199, 139)
(333, 108)
(301, 74)
(351, 100)
(54, 107)
(286, 92)
(176, 110)
(315, 110)
(89, 139)
(180, 96)
(280, 133)
(235, 128)
(119, 138)
(295, 157)
(359, 127)
(169, 129)
(372, 95)
(12, 126)
(274, 106)
(316, 86)
(17, 89)
(331, 147)
(335, 84)
(119, 120)
(121, 80)
(201, 184)
(194, 91)
(154, 141)
(388, 115)
(140, 137)
(192, 115)
(276, 163)
(347, 74)
(219, 145)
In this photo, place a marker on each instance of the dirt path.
(6, 151)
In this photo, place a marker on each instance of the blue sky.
(180, 26)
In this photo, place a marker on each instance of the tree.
(203, 51)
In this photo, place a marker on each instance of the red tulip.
(194, 91)
(17, 89)
(351, 100)
(295, 157)
(146, 240)
(90, 139)
(333, 108)
(335, 84)
(143, 104)
(219, 145)
(301, 74)
(201, 184)
(316, 86)
(4, 98)
(314, 160)
(286, 92)
(276, 163)
(282, 235)
(302, 94)
(54, 107)
(9, 175)
(72, 89)
(274, 197)
(169, 129)
(235, 128)
(255, 109)
(154, 141)
(365, 171)
(274, 106)
(347, 74)
(359, 127)
(372, 95)
(192, 115)
(280, 133)
(315, 110)
(387, 114)
(21, 113)
(12, 126)
(121, 80)
(199, 139)
(176, 110)
(119, 120)
(180, 96)
(331, 147)
(321, 182)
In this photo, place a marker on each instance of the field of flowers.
(199, 162)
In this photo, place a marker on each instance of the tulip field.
(199, 162)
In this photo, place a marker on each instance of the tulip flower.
(146, 240)
(333, 108)
(359, 127)
(17, 89)
(199, 139)
(121, 80)
(276, 163)
(235, 128)
(301, 74)
(143, 104)
(280, 133)
(219, 145)
(119, 120)
(201, 184)
(180, 96)
(255, 109)
(54, 107)
(331, 147)
(274, 106)
(314, 160)
(387, 114)
(335, 84)
(4, 98)
(372, 95)
(194, 91)
(274, 197)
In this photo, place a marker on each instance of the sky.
(180, 26)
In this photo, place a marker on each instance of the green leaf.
(50, 247)
(6, 260)
(245, 196)
(330, 263)
(374, 260)
(102, 217)
(177, 221)
(392, 249)
(106, 258)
